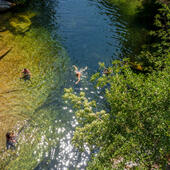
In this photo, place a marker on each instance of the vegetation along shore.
(134, 132)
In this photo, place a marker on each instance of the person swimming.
(25, 74)
(78, 73)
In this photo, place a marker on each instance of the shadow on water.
(91, 32)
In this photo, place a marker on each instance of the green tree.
(135, 130)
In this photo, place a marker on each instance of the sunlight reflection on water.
(68, 155)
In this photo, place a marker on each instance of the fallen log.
(4, 52)
(3, 28)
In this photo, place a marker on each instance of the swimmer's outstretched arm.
(76, 69)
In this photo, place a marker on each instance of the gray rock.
(4, 52)
(5, 5)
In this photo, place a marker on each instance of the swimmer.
(78, 73)
(25, 74)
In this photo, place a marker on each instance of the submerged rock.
(22, 22)
(5, 5)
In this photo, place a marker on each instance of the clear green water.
(80, 32)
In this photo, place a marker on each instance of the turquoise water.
(79, 32)
(90, 31)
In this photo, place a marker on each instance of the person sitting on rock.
(25, 74)
(10, 140)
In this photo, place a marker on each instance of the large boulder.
(5, 5)
(4, 20)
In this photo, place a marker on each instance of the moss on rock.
(22, 22)
(128, 7)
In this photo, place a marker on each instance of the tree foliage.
(135, 130)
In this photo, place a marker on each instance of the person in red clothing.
(25, 74)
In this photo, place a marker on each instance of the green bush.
(135, 130)
(155, 55)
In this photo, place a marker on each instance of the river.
(64, 33)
